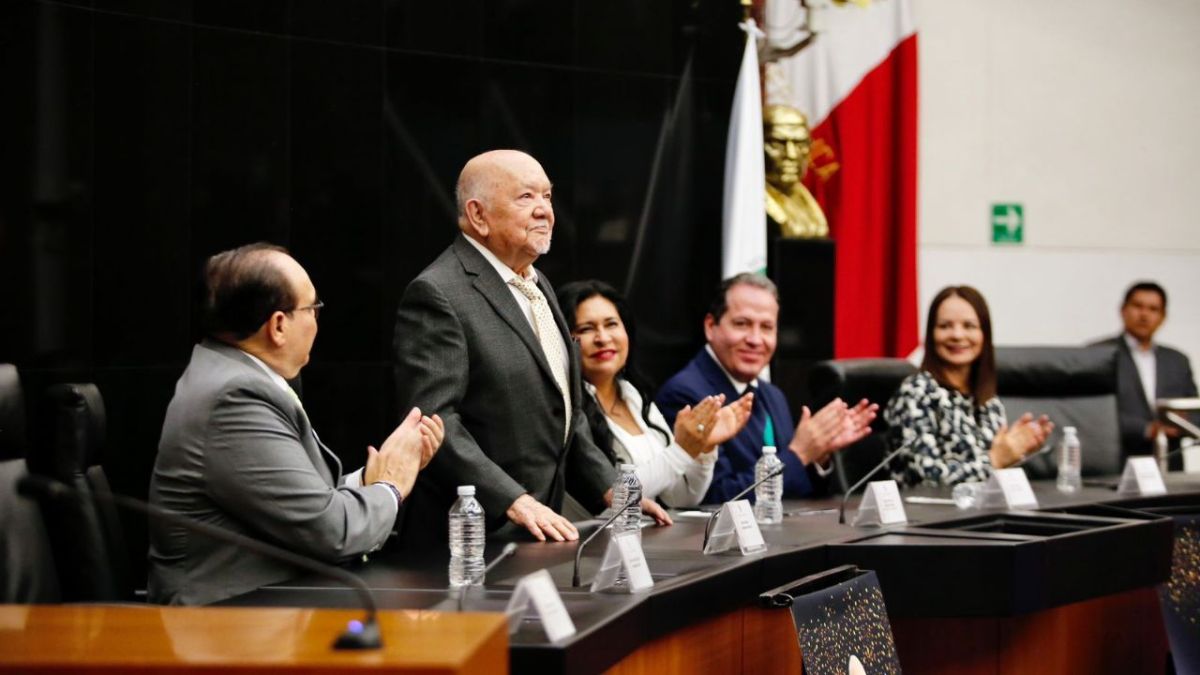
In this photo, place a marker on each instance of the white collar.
(738, 385)
(1135, 346)
(625, 389)
(506, 273)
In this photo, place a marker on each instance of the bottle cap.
(466, 490)
(627, 467)
(768, 450)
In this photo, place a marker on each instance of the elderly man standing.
(741, 329)
(480, 340)
(238, 450)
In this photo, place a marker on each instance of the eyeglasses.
(315, 308)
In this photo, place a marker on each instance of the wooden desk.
(1007, 595)
(131, 639)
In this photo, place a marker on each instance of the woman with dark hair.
(948, 413)
(676, 468)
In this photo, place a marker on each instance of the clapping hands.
(701, 428)
(1014, 441)
(832, 428)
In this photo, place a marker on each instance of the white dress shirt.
(664, 469)
(1147, 367)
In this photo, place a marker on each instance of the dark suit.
(238, 452)
(734, 470)
(466, 351)
(1173, 378)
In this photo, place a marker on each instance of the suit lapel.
(495, 291)
(331, 464)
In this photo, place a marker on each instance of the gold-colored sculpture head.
(787, 143)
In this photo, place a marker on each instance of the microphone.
(712, 520)
(509, 549)
(886, 460)
(358, 635)
(579, 549)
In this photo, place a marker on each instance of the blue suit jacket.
(734, 471)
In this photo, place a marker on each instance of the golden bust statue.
(787, 144)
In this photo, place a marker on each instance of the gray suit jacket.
(465, 351)
(1173, 378)
(238, 452)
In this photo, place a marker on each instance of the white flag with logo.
(744, 222)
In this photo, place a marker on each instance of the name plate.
(1010, 488)
(735, 522)
(1141, 477)
(881, 505)
(624, 551)
(537, 589)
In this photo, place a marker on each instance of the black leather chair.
(86, 534)
(1074, 386)
(27, 573)
(853, 380)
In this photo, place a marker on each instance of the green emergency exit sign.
(1008, 223)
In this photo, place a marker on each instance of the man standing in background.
(1146, 371)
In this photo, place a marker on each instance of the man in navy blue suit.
(741, 330)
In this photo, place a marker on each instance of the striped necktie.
(551, 340)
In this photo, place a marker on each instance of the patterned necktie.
(552, 343)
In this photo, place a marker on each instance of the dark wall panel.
(139, 137)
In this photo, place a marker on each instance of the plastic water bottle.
(768, 497)
(467, 533)
(1069, 462)
(627, 497)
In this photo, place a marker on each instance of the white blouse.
(665, 470)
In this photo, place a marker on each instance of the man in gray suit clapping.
(238, 450)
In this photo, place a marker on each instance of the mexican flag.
(857, 83)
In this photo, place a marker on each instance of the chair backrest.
(13, 441)
(853, 380)
(86, 535)
(27, 573)
(1074, 386)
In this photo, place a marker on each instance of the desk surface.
(149, 638)
(930, 567)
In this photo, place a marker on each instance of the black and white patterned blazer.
(948, 435)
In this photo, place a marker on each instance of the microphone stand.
(579, 549)
(509, 549)
(712, 520)
(886, 460)
(358, 635)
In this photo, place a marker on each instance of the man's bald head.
(504, 204)
(486, 172)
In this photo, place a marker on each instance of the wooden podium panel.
(152, 639)
(1120, 633)
(748, 640)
